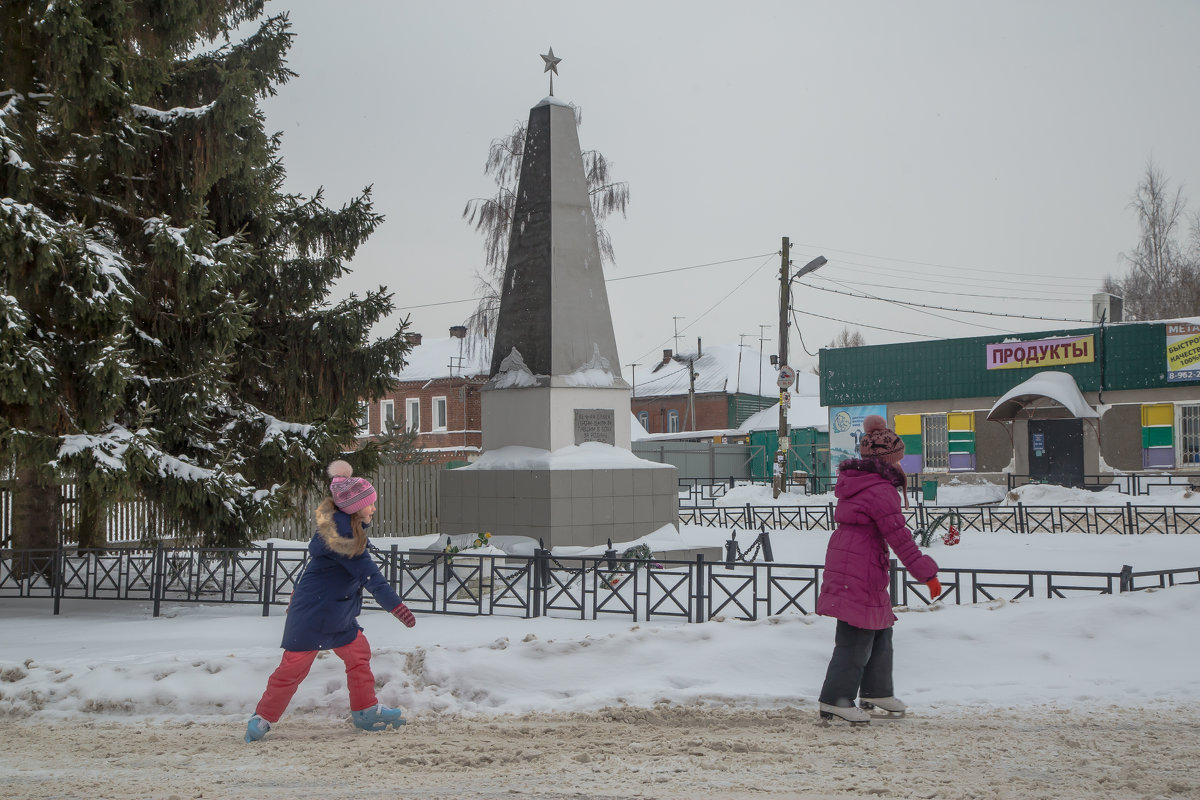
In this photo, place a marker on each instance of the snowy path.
(661, 753)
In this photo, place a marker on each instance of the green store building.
(1069, 407)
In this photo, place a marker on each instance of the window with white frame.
(644, 418)
(935, 442)
(387, 415)
(439, 414)
(412, 414)
(1189, 434)
(364, 420)
(672, 421)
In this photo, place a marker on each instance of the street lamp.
(785, 303)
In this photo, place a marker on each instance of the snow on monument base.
(580, 495)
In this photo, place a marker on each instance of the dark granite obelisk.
(554, 305)
(556, 463)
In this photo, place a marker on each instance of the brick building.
(731, 383)
(438, 394)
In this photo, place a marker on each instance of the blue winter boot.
(256, 728)
(378, 718)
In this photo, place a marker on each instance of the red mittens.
(935, 588)
(402, 613)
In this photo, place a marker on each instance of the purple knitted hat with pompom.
(350, 494)
(880, 441)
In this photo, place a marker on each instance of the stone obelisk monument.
(556, 462)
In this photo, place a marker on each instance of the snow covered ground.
(582, 698)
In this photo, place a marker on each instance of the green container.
(929, 491)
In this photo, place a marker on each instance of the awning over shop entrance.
(1057, 386)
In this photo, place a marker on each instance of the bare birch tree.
(1164, 274)
(492, 216)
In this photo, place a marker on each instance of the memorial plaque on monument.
(595, 425)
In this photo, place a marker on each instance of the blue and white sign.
(845, 429)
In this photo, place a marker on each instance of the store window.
(1189, 435)
(935, 442)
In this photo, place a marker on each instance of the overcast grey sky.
(987, 149)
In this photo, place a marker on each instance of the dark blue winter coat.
(323, 613)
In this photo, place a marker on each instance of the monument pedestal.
(558, 504)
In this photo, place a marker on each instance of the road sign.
(787, 376)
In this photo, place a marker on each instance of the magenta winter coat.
(855, 584)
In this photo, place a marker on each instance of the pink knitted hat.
(350, 494)
(880, 441)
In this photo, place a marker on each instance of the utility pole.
(785, 298)
(761, 339)
(633, 378)
(741, 346)
(691, 407)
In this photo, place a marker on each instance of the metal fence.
(520, 586)
(1127, 519)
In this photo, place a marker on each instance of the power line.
(940, 266)
(608, 280)
(1044, 297)
(864, 325)
(943, 308)
(681, 269)
(916, 307)
(770, 256)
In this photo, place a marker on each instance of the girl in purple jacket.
(854, 588)
(323, 612)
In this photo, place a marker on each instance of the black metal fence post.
(56, 576)
(893, 582)
(267, 579)
(701, 590)
(1130, 527)
(156, 578)
(541, 566)
(764, 539)
(1126, 578)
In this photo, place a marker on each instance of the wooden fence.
(407, 507)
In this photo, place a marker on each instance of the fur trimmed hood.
(877, 466)
(340, 532)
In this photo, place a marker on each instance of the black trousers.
(861, 665)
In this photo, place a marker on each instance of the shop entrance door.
(1056, 451)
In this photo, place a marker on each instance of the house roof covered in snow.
(731, 369)
(805, 411)
(448, 357)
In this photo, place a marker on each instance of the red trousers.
(294, 666)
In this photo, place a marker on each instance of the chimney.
(413, 338)
(1106, 306)
(666, 356)
(699, 349)
(458, 331)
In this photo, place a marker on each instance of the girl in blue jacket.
(323, 613)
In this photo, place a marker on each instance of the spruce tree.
(165, 303)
